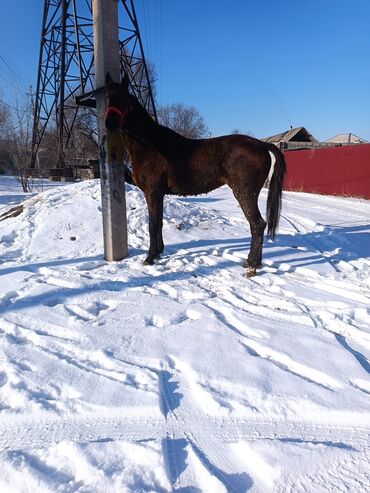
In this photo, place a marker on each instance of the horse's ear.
(125, 81)
(108, 80)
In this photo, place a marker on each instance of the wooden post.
(112, 177)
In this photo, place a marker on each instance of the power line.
(8, 105)
(145, 12)
(161, 46)
(12, 82)
(12, 71)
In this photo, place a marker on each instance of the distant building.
(300, 138)
(293, 138)
(347, 138)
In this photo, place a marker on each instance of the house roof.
(347, 138)
(299, 134)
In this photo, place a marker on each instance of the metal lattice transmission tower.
(66, 69)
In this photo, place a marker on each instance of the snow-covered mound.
(185, 375)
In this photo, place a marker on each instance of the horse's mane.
(142, 127)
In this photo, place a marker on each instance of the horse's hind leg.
(248, 201)
(155, 210)
(160, 245)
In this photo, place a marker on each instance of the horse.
(164, 162)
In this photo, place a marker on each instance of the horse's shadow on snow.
(332, 244)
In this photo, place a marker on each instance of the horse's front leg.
(155, 210)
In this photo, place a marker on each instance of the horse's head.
(117, 102)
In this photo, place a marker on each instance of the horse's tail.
(276, 179)
(128, 175)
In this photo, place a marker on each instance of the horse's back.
(200, 166)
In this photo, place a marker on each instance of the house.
(347, 138)
(294, 138)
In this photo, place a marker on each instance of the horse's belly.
(194, 184)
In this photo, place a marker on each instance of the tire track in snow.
(27, 432)
(341, 475)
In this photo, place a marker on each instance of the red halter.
(121, 114)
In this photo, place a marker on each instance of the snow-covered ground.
(184, 376)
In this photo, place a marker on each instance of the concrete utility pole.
(106, 53)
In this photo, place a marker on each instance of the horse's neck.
(146, 129)
(152, 135)
(137, 148)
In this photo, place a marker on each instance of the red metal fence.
(342, 170)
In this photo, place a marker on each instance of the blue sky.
(257, 66)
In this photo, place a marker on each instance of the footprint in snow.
(91, 311)
(161, 322)
(189, 314)
(9, 239)
(92, 265)
(156, 321)
(3, 378)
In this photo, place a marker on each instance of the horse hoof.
(247, 266)
(148, 261)
(250, 272)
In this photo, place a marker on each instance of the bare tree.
(236, 131)
(83, 142)
(3, 117)
(16, 130)
(153, 78)
(4, 156)
(186, 120)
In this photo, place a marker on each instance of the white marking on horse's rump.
(273, 161)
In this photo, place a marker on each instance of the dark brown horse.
(164, 162)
